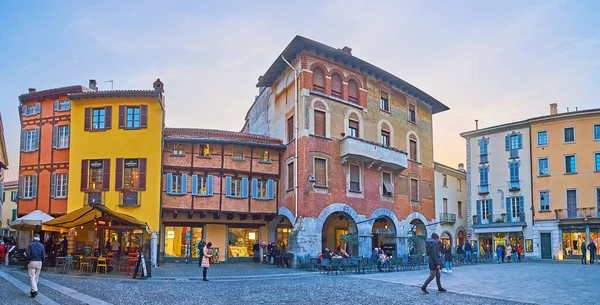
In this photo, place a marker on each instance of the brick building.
(364, 163)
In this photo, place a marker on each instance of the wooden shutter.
(143, 116)
(119, 174)
(227, 186)
(507, 142)
(69, 137)
(319, 123)
(105, 174)
(244, 187)
(34, 181)
(54, 136)
(142, 174)
(36, 140)
(270, 189)
(209, 185)
(56, 103)
(353, 124)
(318, 78)
(254, 188)
(290, 128)
(52, 185)
(519, 141)
(414, 189)
(84, 174)
(169, 184)
(336, 84)
(195, 185)
(352, 90)
(23, 140)
(321, 172)
(384, 95)
(87, 119)
(508, 208)
(413, 150)
(108, 117)
(290, 175)
(122, 116)
(21, 188)
(184, 183)
(354, 173)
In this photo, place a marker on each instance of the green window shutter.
(14, 215)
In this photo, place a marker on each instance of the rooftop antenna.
(111, 84)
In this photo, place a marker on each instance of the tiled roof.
(114, 93)
(220, 134)
(43, 94)
(11, 183)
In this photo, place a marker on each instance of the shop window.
(318, 80)
(412, 113)
(181, 242)
(178, 150)
(320, 172)
(264, 156)
(241, 242)
(353, 128)
(414, 190)
(320, 123)
(352, 91)
(336, 85)
(58, 185)
(384, 102)
(204, 150)
(238, 152)
(387, 184)
(544, 201)
(355, 178)
(290, 176)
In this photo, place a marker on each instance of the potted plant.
(350, 240)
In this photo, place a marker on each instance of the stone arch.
(449, 237)
(320, 66)
(415, 136)
(356, 80)
(388, 213)
(283, 211)
(320, 105)
(361, 122)
(383, 123)
(349, 220)
(462, 230)
(338, 207)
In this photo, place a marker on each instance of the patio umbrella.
(31, 221)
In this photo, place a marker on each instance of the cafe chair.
(60, 263)
(86, 264)
(101, 263)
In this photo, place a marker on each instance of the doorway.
(546, 239)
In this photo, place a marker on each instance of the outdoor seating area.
(85, 264)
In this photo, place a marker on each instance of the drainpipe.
(295, 136)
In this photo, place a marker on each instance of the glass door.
(196, 237)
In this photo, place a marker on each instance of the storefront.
(485, 244)
(241, 241)
(181, 243)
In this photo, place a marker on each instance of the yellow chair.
(85, 263)
(101, 263)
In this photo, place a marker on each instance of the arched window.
(320, 119)
(352, 91)
(336, 85)
(318, 80)
(354, 125)
(413, 149)
(385, 138)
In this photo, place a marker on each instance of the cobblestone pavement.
(246, 283)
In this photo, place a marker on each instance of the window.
(236, 187)
(60, 136)
(597, 161)
(542, 138)
(514, 171)
(59, 185)
(62, 105)
(515, 143)
(320, 172)
(414, 190)
(262, 189)
(290, 176)
(31, 110)
(290, 128)
(571, 203)
(353, 128)
(238, 152)
(96, 175)
(202, 185)
(459, 185)
(29, 187)
(14, 215)
(131, 174)
(320, 123)
(204, 150)
(444, 180)
(445, 205)
(412, 113)
(569, 135)
(385, 138)
(459, 206)
(570, 164)
(13, 196)
(486, 208)
(515, 208)
(544, 200)
(352, 91)
(354, 178)
(413, 148)
(483, 150)
(178, 150)
(483, 180)
(543, 167)
(318, 80)
(133, 117)
(32, 139)
(384, 103)
(98, 119)
(264, 156)
(387, 184)
(597, 132)
(336, 86)
(176, 184)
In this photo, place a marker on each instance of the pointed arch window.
(352, 91)
(318, 80)
(336, 85)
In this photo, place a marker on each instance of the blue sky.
(496, 61)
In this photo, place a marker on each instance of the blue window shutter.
(507, 139)
(23, 110)
(52, 185)
(508, 208)
(490, 211)
(228, 186)
(54, 136)
(479, 210)
(169, 183)
(23, 140)
(194, 185)
(520, 141)
(244, 187)
(36, 141)
(270, 189)
(184, 181)
(521, 204)
(209, 185)
(254, 188)
(55, 105)
(34, 186)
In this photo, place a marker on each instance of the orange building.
(44, 160)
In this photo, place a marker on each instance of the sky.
(495, 61)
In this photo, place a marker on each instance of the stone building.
(451, 204)
(359, 149)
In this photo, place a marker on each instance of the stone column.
(364, 245)
(305, 238)
(401, 246)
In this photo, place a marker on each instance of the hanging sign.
(96, 163)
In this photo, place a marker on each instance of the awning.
(88, 214)
(31, 221)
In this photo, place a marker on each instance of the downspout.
(295, 137)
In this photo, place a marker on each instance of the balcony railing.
(514, 153)
(575, 213)
(93, 198)
(498, 219)
(373, 154)
(447, 218)
(130, 198)
(484, 188)
(514, 185)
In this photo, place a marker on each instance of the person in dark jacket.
(256, 251)
(583, 251)
(468, 250)
(434, 263)
(200, 251)
(448, 258)
(375, 253)
(36, 254)
(326, 254)
(592, 247)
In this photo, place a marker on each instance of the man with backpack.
(434, 263)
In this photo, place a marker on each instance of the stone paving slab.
(13, 295)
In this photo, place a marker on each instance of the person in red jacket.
(2, 251)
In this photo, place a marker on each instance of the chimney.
(567, 109)
(553, 109)
(159, 86)
(461, 167)
(31, 90)
(93, 85)
(347, 50)
(476, 124)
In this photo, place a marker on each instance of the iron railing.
(491, 219)
(447, 217)
(130, 198)
(574, 213)
(93, 198)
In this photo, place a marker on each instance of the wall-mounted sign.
(96, 163)
(171, 234)
(383, 231)
(131, 163)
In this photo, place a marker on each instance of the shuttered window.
(385, 138)
(412, 113)
(414, 190)
(290, 129)
(353, 128)
(384, 103)
(354, 178)
(387, 184)
(290, 175)
(98, 118)
(84, 174)
(413, 150)
(336, 86)
(319, 123)
(320, 172)
(318, 80)
(352, 91)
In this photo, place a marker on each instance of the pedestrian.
(583, 251)
(434, 263)
(65, 244)
(508, 252)
(468, 250)
(200, 249)
(592, 247)
(206, 255)
(35, 255)
(503, 252)
(499, 252)
(375, 253)
(2, 250)
(448, 258)
(520, 251)
(256, 251)
(273, 253)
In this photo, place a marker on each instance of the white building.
(451, 203)
(499, 196)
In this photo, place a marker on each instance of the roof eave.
(497, 128)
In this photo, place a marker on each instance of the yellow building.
(9, 208)
(115, 154)
(566, 181)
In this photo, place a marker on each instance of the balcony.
(483, 189)
(130, 198)
(447, 218)
(514, 186)
(514, 153)
(499, 220)
(94, 198)
(374, 153)
(577, 213)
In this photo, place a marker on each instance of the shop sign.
(96, 163)
(383, 231)
(131, 163)
(137, 232)
(171, 234)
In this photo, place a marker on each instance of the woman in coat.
(508, 252)
(206, 260)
